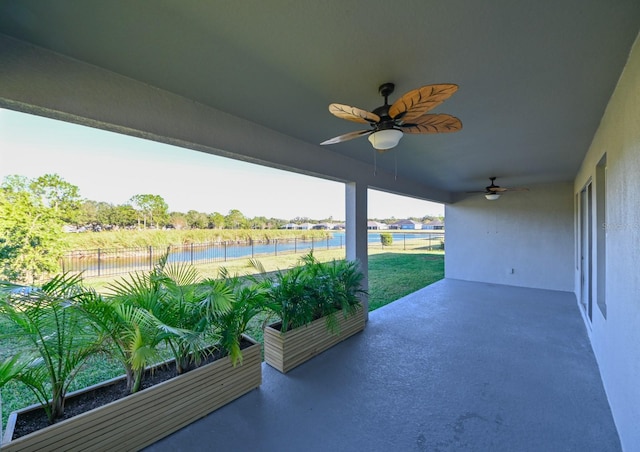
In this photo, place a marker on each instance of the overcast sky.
(110, 167)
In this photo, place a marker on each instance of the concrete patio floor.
(455, 366)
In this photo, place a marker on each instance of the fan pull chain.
(395, 158)
(375, 162)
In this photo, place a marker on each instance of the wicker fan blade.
(433, 124)
(353, 114)
(347, 137)
(419, 101)
(515, 189)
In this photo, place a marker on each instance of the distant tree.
(259, 223)
(95, 215)
(123, 215)
(151, 207)
(235, 220)
(32, 213)
(178, 220)
(300, 220)
(62, 197)
(197, 220)
(216, 220)
(106, 215)
(87, 213)
(276, 223)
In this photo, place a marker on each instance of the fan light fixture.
(406, 115)
(492, 192)
(385, 139)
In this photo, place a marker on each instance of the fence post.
(150, 257)
(251, 240)
(191, 253)
(295, 245)
(312, 244)
(98, 261)
(327, 242)
(225, 250)
(275, 247)
(404, 242)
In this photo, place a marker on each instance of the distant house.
(306, 226)
(323, 226)
(289, 226)
(434, 225)
(406, 224)
(374, 225)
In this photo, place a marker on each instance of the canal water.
(114, 261)
(239, 250)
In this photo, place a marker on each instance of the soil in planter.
(37, 419)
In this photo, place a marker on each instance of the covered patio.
(501, 354)
(455, 366)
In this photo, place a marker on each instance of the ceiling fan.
(492, 192)
(406, 115)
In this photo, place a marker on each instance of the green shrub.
(386, 238)
(63, 325)
(58, 336)
(313, 290)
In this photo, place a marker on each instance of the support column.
(356, 232)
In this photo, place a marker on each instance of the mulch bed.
(36, 419)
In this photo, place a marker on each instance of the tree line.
(151, 211)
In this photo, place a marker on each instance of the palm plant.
(290, 297)
(191, 307)
(248, 301)
(340, 290)
(127, 318)
(344, 286)
(314, 289)
(169, 305)
(10, 368)
(51, 319)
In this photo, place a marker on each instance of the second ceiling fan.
(492, 192)
(408, 114)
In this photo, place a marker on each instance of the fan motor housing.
(383, 111)
(386, 89)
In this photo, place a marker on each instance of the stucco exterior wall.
(616, 336)
(529, 232)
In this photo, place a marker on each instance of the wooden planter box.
(284, 351)
(145, 417)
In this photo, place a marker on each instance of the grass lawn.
(393, 273)
(238, 266)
